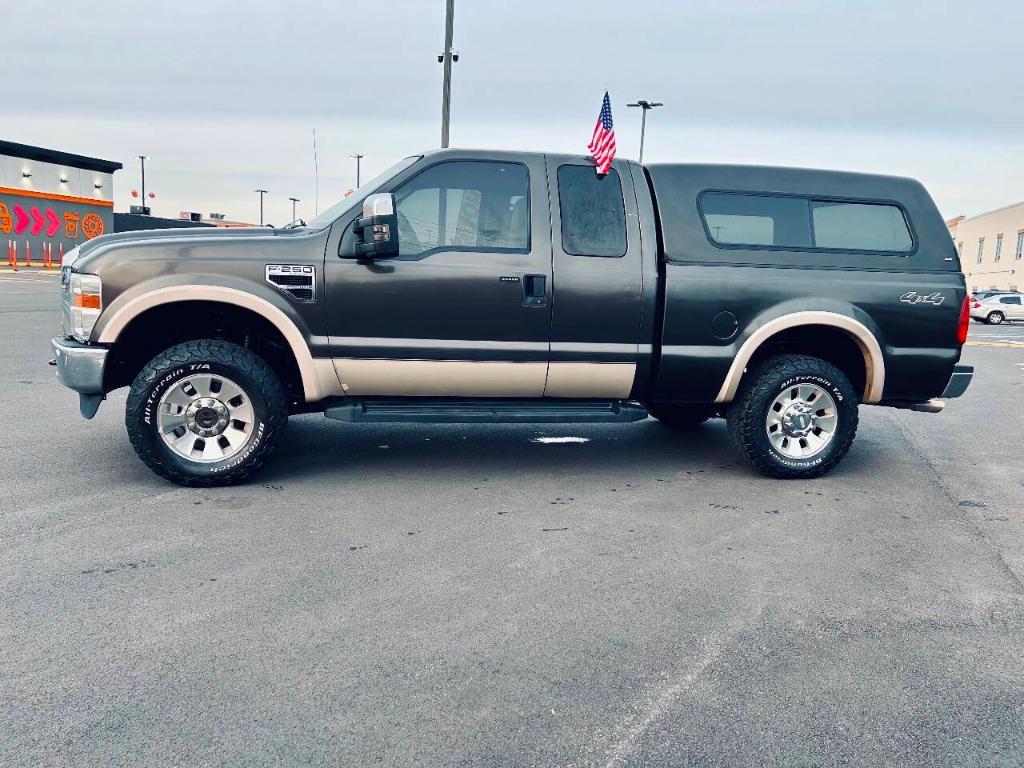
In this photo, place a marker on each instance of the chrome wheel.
(205, 418)
(801, 421)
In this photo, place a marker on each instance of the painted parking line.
(1004, 344)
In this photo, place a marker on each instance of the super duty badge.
(298, 281)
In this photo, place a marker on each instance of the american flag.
(602, 143)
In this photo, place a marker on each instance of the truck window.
(785, 221)
(593, 214)
(465, 205)
(860, 227)
(739, 219)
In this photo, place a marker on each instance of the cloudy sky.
(224, 96)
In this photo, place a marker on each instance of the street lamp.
(262, 193)
(357, 158)
(646, 106)
(142, 162)
(446, 57)
(294, 201)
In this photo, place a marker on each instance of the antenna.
(316, 179)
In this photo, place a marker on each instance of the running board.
(488, 411)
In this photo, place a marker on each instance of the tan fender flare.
(316, 375)
(874, 362)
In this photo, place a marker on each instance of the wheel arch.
(122, 318)
(853, 330)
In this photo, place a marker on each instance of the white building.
(991, 248)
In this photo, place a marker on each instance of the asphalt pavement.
(459, 595)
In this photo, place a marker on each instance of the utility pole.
(294, 201)
(646, 106)
(262, 193)
(357, 158)
(446, 58)
(142, 162)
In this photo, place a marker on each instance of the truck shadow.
(315, 447)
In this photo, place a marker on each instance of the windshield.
(355, 197)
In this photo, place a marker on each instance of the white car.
(998, 307)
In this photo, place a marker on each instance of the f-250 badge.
(913, 297)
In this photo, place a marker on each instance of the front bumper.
(80, 367)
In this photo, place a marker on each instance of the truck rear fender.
(855, 330)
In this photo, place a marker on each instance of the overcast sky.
(223, 96)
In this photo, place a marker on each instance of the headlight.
(83, 302)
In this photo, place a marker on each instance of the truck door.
(464, 309)
(596, 268)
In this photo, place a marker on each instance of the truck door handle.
(535, 292)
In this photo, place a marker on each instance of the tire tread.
(743, 426)
(225, 353)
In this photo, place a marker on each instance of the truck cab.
(507, 286)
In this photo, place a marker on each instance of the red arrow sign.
(38, 222)
(22, 219)
(54, 222)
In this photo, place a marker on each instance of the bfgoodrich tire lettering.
(761, 386)
(177, 365)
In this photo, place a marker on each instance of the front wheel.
(794, 417)
(206, 412)
(995, 318)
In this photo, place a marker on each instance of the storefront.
(50, 202)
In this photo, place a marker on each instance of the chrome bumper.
(80, 367)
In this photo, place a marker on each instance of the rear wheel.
(680, 416)
(206, 412)
(995, 318)
(794, 417)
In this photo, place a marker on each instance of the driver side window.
(465, 205)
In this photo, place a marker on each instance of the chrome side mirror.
(377, 229)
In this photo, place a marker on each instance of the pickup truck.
(480, 286)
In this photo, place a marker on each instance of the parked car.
(979, 295)
(474, 286)
(998, 308)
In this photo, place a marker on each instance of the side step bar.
(487, 411)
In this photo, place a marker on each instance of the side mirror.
(377, 229)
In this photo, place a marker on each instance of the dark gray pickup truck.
(478, 286)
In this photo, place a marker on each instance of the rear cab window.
(593, 213)
(764, 220)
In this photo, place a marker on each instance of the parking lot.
(470, 595)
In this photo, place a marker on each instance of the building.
(213, 220)
(135, 222)
(991, 248)
(51, 201)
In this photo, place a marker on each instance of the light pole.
(646, 106)
(142, 162)
(357, 158)
(294, 201)
(262, 193)
(446, 57)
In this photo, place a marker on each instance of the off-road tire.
(760, 386)
(995, 318)
(680, 416)
(257, 379)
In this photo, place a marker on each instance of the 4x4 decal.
(913, 297)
